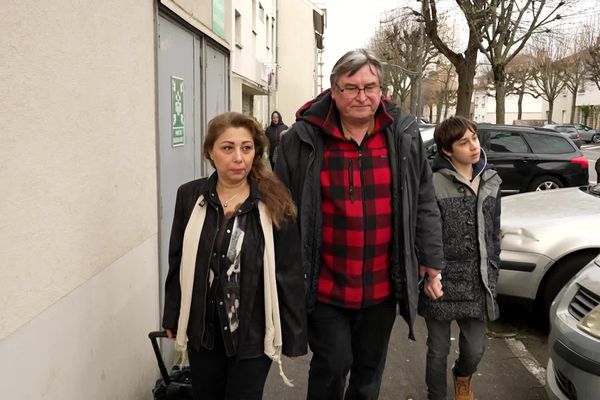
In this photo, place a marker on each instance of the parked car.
(569, 131)
(588, 134)
(574, 343)
(526, 158)
(547, 237)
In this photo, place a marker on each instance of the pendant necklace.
(226, 202)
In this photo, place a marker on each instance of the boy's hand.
(433, 282)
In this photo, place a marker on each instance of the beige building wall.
(484, 108)
(297, 57)
(588, 95)
(78, 230)
(252, 56)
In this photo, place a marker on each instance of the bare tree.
(396, 77)
(519, 74)
(591, 40)
(508, 25)
(499, 29)
(463, 61)
(575, 65)
(548, 74)
(440, 90)
(401, 43)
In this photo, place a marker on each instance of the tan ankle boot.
(462, 388)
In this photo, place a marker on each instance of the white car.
(574, 343)
(547, 237)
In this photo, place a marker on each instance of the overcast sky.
(351, 23)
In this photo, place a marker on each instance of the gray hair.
(354, 60)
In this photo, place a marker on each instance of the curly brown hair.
(274, 194)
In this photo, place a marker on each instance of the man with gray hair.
(369, 223)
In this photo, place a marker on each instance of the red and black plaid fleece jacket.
(357, 216)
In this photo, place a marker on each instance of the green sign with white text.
(177, 115)
(218, 17)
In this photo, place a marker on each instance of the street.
(592, 153)
(513, 342)
(513, 366)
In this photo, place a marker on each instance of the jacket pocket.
(460, 281)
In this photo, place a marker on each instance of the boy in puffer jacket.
(468, 195)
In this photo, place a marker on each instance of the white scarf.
(191, 239)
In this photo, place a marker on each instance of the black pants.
(345, 341)
(216, 376)
(471, 345)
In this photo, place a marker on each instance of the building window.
(261, 13)
(268, 34)
(238, 29)
(273, 32)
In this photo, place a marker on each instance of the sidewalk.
(501, 375)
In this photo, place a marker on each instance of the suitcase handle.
(161, 364)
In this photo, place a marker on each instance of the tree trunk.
(438, 110)
(520, 103)
(500, 87)
(550, 110)
(465, 69)
(413, 96)
(573, 103)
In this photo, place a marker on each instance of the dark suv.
(526, 158)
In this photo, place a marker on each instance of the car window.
(565, 129)
(507, 142)
(549, 144)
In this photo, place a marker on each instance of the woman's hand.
(170, 334)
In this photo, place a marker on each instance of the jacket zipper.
(486, 286)
(351, 179)
(210, 255)
(362, 180)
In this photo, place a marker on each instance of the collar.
(322, 113)
(210, 193)
(348, 136)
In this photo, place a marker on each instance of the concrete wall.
(78, 230)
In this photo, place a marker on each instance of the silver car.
(574, 366)
(588, 134)
(547, 237)
(569, 131)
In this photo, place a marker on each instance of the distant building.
(277, 56)
(587, 106)
(535, 109)
(299, 74)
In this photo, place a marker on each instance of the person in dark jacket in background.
(234, 290)
(274, 132)
(357, 170)
(468, 195)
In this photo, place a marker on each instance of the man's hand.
(433, 282)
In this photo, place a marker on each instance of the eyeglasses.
(353, 91)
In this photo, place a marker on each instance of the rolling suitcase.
(174, 386)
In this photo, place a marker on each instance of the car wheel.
(558, 276)
(596, 138)
(545, 182)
